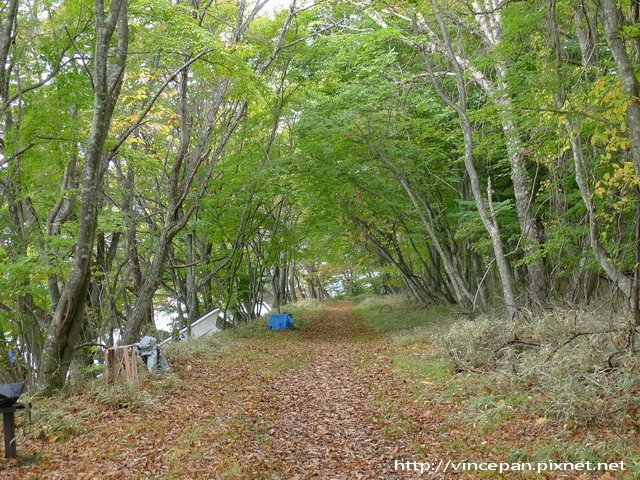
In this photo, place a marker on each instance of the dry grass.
(567, 365)
(573, 362)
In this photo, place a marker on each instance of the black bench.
(9, 425)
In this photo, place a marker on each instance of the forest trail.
(317, 402)
(330, 421)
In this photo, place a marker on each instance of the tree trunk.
(627, 69)
(107, 81)
(193, 305)
(530, 233)
(489, 19)
(292, 281)
(487, 217)
(620, 280)
(463, 296)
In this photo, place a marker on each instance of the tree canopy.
(183, 156)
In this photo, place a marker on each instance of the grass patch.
(434, 369)
(121, 395)
(485, 413)
(303, 308)
(591, 448)
(393, 425)
(399, 314)
(352, 298)
(53, 420)
(300, 311)
(179, 352)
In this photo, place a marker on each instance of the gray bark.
(291, 281)
(627, 66)
(193, 305)
(488, 16)
(490, 20)
(586, 33)
(488, 220)
(626, 70)
(620, 280)
(107, 81)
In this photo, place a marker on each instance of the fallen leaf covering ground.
(323, 402)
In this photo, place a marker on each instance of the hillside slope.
(332, 400)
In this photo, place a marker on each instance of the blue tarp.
(279, 321)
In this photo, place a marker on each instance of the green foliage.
(344, 172)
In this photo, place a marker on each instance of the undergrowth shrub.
(570, 365)
(573, 362)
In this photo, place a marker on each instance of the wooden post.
(120, 361)
(9, 425)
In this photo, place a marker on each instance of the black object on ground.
(9, 426)
(10, 393)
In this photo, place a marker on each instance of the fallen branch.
(461, 369)
(387, 306)
(518, 342)
(582, 334)
(614, 356)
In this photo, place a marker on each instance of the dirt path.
(331, 421)
(321, 402)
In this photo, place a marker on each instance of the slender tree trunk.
(461, 292)
(311, 281)
(107, 81)
(489, 32)
(627, 69)
(620, 280)
(193, 305)
(144, 301)
(276, 287)
(488, 219)
(489, 18)
(530, 233)
(292, 281)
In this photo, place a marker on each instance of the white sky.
(274, 5)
